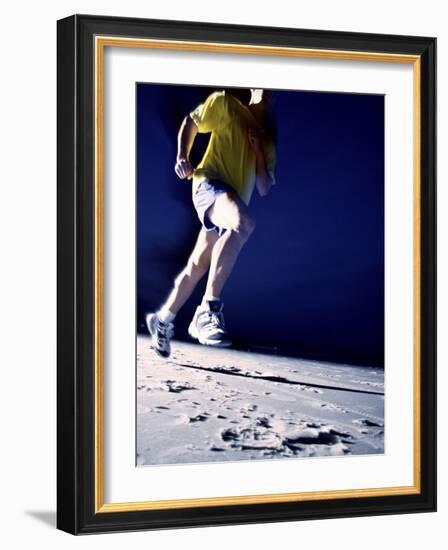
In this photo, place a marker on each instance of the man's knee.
(244, 224)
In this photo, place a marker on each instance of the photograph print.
(260, 274)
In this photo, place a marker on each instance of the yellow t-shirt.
(229, 156)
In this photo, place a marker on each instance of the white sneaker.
(161, 334)
(208, 325)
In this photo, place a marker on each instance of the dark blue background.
(311, 279)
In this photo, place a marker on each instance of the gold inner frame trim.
(101, 42)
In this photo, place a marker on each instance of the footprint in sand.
(263, 421)
(319, 436)
(177, 387)
(332, 407)
(201, 417)
(269, 438)
(252, 438)
(367, 422)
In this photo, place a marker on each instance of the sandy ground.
(208, 405)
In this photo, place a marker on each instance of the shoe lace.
(216, 320)
(164, 331)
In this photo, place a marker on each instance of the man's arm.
(264, 180)
(185, 140)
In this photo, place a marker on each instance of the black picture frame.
(76, 510)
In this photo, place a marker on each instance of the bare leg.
(197, 266)
(231, 213)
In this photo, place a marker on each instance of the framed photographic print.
(246, 274)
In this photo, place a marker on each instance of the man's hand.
(183, 168)
(185, 139)
(254, 140)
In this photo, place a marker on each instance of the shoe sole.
(193, 333)
(163, 354)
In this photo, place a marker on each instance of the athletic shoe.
(161, 334)
(208, 325)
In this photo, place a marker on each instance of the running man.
(240, 156)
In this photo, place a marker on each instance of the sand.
(206, 405)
